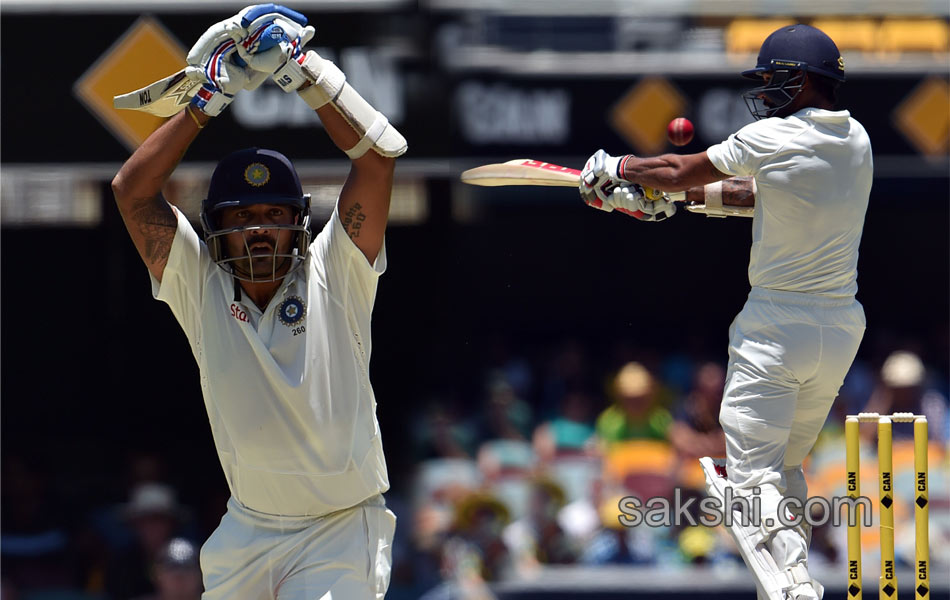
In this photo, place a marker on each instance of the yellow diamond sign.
(643, 113)
(923, 116)
(144, 54)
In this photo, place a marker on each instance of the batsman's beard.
(261, 260)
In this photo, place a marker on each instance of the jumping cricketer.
(793, 342)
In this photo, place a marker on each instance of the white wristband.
(611, 167)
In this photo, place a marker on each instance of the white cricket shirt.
(813, 170)
(287, 390)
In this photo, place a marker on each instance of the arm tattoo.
(737, 191)
(353, 220)
(157, 223)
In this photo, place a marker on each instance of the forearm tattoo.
(353, 220)
(157, 223)
(737, 191)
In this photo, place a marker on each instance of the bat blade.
(164, 98)
(522, 171)
(527, 171)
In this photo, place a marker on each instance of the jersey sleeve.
(184, 278)
(345, 271)
(743, 152)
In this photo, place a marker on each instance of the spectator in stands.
(610, 544)
(36, 550)
(570, 432)
(506, 416)
(154, 516)
(176, 573)
(475, 549)
(635, 414)
(440, 434)
(505, 457)
(567, 364)
(695, 431)
(537, 538)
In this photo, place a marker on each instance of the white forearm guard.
(712, 204)
(330, 86)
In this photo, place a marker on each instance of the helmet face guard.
(242, 267)
(771, 99)
(248, 178)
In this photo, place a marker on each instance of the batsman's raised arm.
(353, 125)
(150, 220)
(364, 201)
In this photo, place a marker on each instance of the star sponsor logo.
(238, 313)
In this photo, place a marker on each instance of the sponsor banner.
(558, 117)
(443, 115)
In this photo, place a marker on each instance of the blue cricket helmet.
(253, 176)
(802, 47)
(787, 55)
(248, 177)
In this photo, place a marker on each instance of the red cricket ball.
(679, 131)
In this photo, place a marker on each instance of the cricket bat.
(526, 171)
(164, 98)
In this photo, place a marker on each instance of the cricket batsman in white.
(810, 169)
(279, 324)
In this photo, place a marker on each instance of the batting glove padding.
(630, 199)
(208, 62)
(275, 47)
(598, 180)
(215, 61)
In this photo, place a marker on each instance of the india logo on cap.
(256, 174)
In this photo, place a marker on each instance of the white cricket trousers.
(344, 555)
(788, 356)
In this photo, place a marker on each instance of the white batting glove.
(598, 180)
(211, 65)
(274, 47)
(214, 59)
(631, 200)
(210, 61)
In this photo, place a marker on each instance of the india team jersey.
(287, 389)
(813, 172)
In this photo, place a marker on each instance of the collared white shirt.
(813, 171)
(287, 389)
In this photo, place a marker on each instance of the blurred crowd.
(534, 475)
(525, 471)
